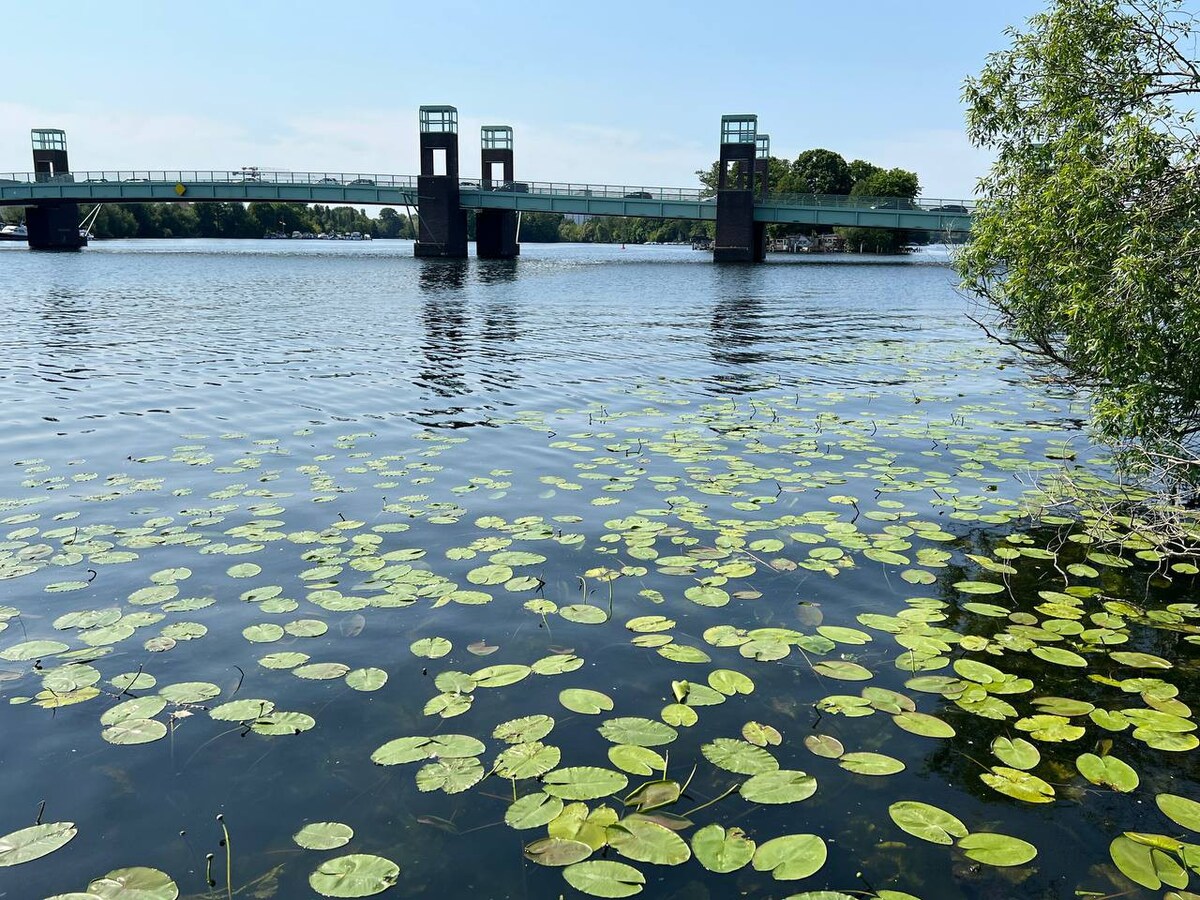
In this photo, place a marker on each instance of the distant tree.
(860, 169)
(818, 172)
(881, 183)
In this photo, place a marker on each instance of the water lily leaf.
(137, 708)
(278, 722)
(368, 679)
(870, 764)
(556, 851)
(533, 811)
(136, 883)
(654, 794)
(323, 835)
(321, 671)
(1139, 660)
(1180, 810)
(431, 648)
(583, 614)
(34, 842)
(926, 822)
(489, 575)
(1018, 784)
(842, 670)
(649, 842)
(707, 595)
(791, 857)
(354, 875)
(1059, 656)
(636, 760)
(453, 775)
(241, 710)
(650, 624)
(556, 664)
(1145, 865)
(997, 849)
(740, 757)
(843, 635)
(679, 715)
(28, 650)
(265, 633)
(585, 701)
(923, 724)
(1017, 752)
(781, 786)
(604, 878)
(761, 735)
(583, 783)
(682, 653)
(306, 628)
(524, 729)
(134, 731)
(730, 682)
(243, 570)
(1108, 771)
(722, 851)
(401, 750)
(824, 745)
(578, 823)
(637, 731)
(284, 660)
(500, 676)
(978, 587)
(528, 760)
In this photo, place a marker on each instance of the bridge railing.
(921, 204)
(215, 176)
(578, 189)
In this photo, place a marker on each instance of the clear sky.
(615, 92)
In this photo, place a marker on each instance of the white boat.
(14, 233)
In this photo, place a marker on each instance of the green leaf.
(1145, 865)
(556, 851)
(978, 587)
(488, 575)
(453, 775)
(1016, 752)
(35, 842)
(649, 842)
(134, 731)
(533, 811)
(722, 851)
(500, 676)
(842, 670)
(683, 653)
(431, 648)
(1017, 784)
(528, 760)
(740, 757)
(135, 883)
(583, 783)
(355, 875)
(369, 679)
(323, 835)
(997, 849)
(870, 764)
(825, 746)
(781, 786)
(791, 857)
(583, 614)
(730, 682)
(1108, 771)
(926, 822)
(585, 701)
(604, 878)
(636, 760)
(1180, 810)
(637, 731)
(923, 724)
(525, 729)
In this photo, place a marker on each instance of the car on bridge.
(361, 182)
(952, 208)
(639, 195)
(328, 180)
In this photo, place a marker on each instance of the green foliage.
(1086, 243)
(237, 220)
(818, 172)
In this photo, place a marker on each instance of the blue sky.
(613, 92)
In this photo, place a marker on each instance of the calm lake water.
(277, 472)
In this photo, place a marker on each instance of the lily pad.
(791, 857)
(583, 783)
(740, 757)
(1107, 771)
(926, 822)
(997, 849)
(585, 701)
(323, 835)
(720, 850)
(870, 764)
(35, 842)
(533, 811)
(637, 732)
(135, 883)
(605, 878)
(648, 842)
(354, 875)
(781, 786)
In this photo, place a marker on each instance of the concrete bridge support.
(496, 229)
(736, 229)
(52, 226)
(443, 223)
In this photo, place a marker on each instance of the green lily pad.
(241, 710)
(431, 648)
(323, 835)
(525, 729)
(730, 682)
(604, 878)
(489, 575)
(926, 822)
(1016, 752)
(1180, 810)
(1145, 865)
(637, 731)
(355, 875)
(453, 775)
(781, 786)
(842, 670)
(500, 676)
(135, 883)
(583, 783)
(34, 842)
(585, 701)
(368, 679)
(1018, 784)
(528, 760)
(791, 857)
(583, 614)
(923, 724)
(978, 587)
(649, 842)
(823, 745)
(557, 851)
(997, 849)
(134, 731)
(533, 811)
(1107, 771)
(740, 757)
(870, 764)
(722, 851)
(636, 760)
(762, 735)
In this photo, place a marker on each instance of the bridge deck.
(525, 196)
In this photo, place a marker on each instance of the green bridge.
(740, 206)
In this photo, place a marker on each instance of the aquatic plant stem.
(228, 858)
(716, 799)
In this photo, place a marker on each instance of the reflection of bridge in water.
(741, 206)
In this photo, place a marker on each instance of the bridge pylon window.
(739, 129)
(438, 120)
(49, 139)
